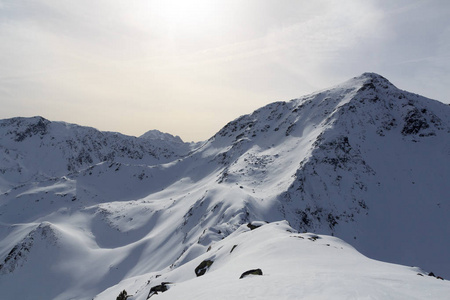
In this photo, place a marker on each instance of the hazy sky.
(189, 67)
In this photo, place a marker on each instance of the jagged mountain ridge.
(36, 147)
(341, 161)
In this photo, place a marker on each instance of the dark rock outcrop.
(203, 267)
(251, 272)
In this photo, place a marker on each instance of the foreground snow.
(294, 266)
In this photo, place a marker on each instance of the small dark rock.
(298, 236)
(161, 288)
(314, 238)
(251, 226)
(251, 272)
(203, 267)
(254, 225)
(122, 296)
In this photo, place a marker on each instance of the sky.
(190, 67)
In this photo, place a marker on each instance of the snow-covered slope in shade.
(38, 148)
(363, 161)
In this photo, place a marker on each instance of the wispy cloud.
(81, 61)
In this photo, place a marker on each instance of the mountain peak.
(371, 80)
(158, 135)
(25, 121)
(371, 75)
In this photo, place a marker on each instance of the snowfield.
(87, 214)
(294, 266)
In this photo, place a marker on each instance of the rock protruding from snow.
(201, 269)
(251, 272)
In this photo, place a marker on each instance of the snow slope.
(293, 265)
(363, 161)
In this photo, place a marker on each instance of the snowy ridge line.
(33, 148)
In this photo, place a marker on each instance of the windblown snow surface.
(365, 166)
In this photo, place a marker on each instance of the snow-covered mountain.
(38, 148)
(158, 135)
(363, 161)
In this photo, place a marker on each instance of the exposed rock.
(122, 296)
(203, 267)
(414, 122)
(255, 224)
(251, 272)
(251, 226)
(314, 238)
(161, 288)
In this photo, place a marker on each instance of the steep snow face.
(382, 167)
(363, 161)
(37, 148)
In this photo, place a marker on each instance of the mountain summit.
(363, 161)
(158, 135)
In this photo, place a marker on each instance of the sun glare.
(187, 16)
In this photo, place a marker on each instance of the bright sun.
(187, 16)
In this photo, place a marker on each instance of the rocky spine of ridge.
(33, 147)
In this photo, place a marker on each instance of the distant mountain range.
(85, 213)
(36, 148)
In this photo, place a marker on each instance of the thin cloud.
(65, 60)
